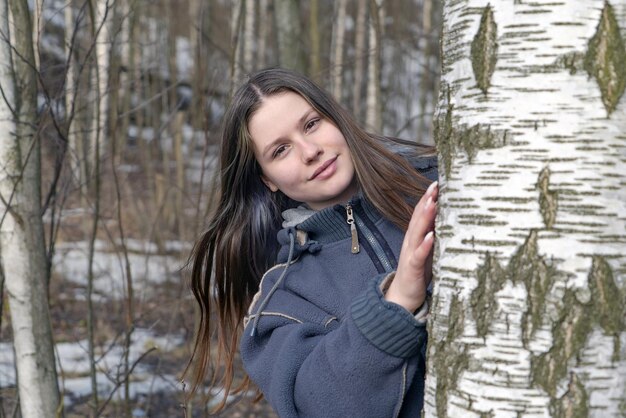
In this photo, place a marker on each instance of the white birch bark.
(100, 78)
(75, 140)
(22, 250)
(528, 318)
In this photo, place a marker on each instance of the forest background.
(129, 97)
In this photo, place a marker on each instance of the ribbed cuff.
(388, 326)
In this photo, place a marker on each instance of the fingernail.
(429, 236)
(428, 203)
(431, 187)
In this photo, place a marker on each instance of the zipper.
(355, 222)
(353, 232)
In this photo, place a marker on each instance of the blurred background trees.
(129, 97)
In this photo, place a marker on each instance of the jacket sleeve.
(427, 167)
(318, 367)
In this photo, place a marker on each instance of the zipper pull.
(355, 235)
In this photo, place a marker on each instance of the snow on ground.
(73, 367)
(71, 261)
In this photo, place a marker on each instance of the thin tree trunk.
(339, 33)
(289, 34)
(118, 90)
(263, 33)
(315, 64)
(426, 88)
(170, 112)
(179, 120)
(236, 24)
(76, 148)
(129, 291)
(100, 77)
(91, 317)
(38, 26)
(198, 11)
(528, 317)
(248, 36)
(127, 80)
(22, 242)
(99, 83)
(359, 57)
(142, 90)
(373, 115)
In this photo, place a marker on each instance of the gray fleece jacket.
(319, 338)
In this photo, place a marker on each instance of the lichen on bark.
(484, 50)
(526, 266)
(451, 358)
(605, 59)
(450, 138)
(548, 199)
(574, 324)
(569, 333)
(443, 133)
(574, 403)
(538, 276)
(607, 301)
(491, 278)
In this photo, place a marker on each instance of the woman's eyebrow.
(301, 121)
(305, 116)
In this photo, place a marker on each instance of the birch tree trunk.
(22, 243)
(100, 78)
(38, 26)
(236, 23)
(426, 84)
(373, 114)
(529, 312)
(75, 140)
(263, 30)
(315, 64)
(127, 45)
(289, 34)
(197, 14)
(248, 35)
(339, 32)
(359, 57)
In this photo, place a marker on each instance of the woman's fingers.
(423, 250)
(431, 195)
(413, 274)
(423, 218)
(408, 289)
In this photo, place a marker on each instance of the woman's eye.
(279, 150)
(311, 124)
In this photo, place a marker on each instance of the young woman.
(330, 318)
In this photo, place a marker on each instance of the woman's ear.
(269, 184)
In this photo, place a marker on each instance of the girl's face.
(300, 153)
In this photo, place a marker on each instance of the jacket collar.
(329, 224)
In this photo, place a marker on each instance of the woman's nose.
(310, 150)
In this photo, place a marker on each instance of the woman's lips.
(325, 170)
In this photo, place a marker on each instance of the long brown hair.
(239, 245)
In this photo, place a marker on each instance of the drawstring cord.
(292, 242)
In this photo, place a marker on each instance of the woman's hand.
(408, 288)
